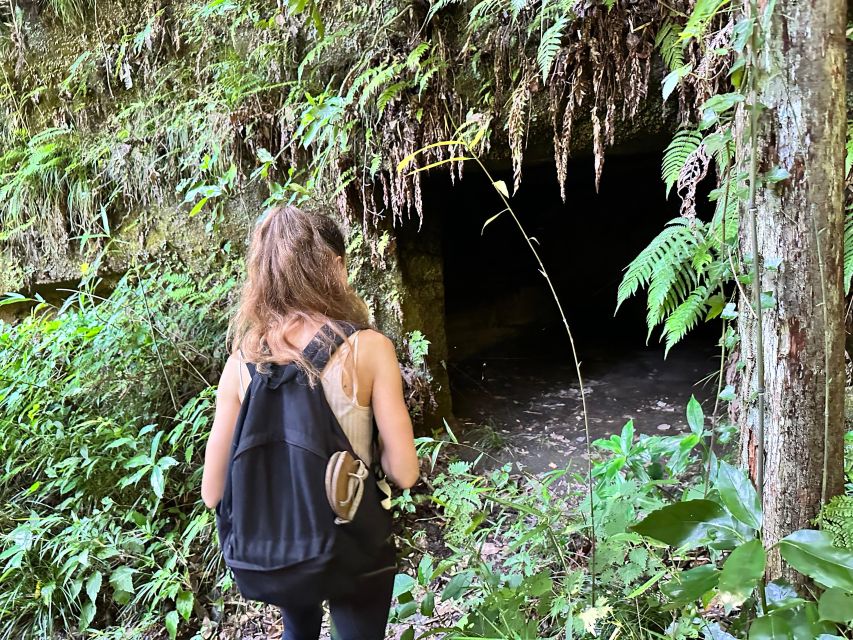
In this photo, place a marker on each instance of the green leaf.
(777, 174)
(457, 585)
(93, 585)
(672, 78)
(172, 624)
(741, 573)
(198, 207)
(87, 614)
(683, 523)
(428, 604)
(770, 628)
(695, 416)
(836, 606)
(122, 579)
(403, 584)
(501, 188)
(184, 604)
(738, 494)
(690, 585)
(406, 610)
(425, 569)
(157, 481)
(813, 554)
(408, 634)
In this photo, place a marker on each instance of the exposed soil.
(526, 407)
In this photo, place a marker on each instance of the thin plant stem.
(827, 344)
(556, 298)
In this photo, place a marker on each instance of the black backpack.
(276, 528)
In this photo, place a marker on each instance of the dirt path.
(529, 408)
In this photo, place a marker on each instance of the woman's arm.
(399, 458)
(221, 434)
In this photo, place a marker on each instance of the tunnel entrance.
(509, 360)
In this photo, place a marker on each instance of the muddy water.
(526, 408)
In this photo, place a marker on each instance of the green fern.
(549, 46)
(685, 142)
(836, 517)
(700, 17)
(482, 10)
(390, 94)
(438, 6)
(685, 316)
(668, 41)
(413, 60)
(670, 245)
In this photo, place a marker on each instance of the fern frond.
(482, 10)
(684, 317)
(390, 94)
(702, 14)
(549, 46)
(848, 249)
(378, 80)
(836, 517)
(684, 142)
(413, 60)
(669, 244)
(516, 7)
(438, 6)
(668, 42)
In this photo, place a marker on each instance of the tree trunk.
(800, 248)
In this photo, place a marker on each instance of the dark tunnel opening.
(509, 359)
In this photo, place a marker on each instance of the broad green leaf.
(741, 573)
(695, 416)
(738, 494)
(683, 523)
(403, 584)
(813, 554)
(690, 585)
(456, 586)
(836, 606)
(87, 614)
(804, 621)
(172, 624)
(184, 604)
(408, 634)
(93, 585)
(672, 78)
(122, 579)
(425, 569)
(428, 604)
(406, 610)
(770, 628)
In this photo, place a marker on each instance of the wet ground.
(526, 407)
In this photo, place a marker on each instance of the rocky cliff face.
(160, 129)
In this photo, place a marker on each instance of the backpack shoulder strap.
(317, 353)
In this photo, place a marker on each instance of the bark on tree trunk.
(800, 229)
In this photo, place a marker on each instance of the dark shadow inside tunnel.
(509, 359)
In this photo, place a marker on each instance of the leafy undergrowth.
(675, 554)
(106, 405)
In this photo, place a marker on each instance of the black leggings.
(360, 615)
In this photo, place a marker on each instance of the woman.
(297, 284)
